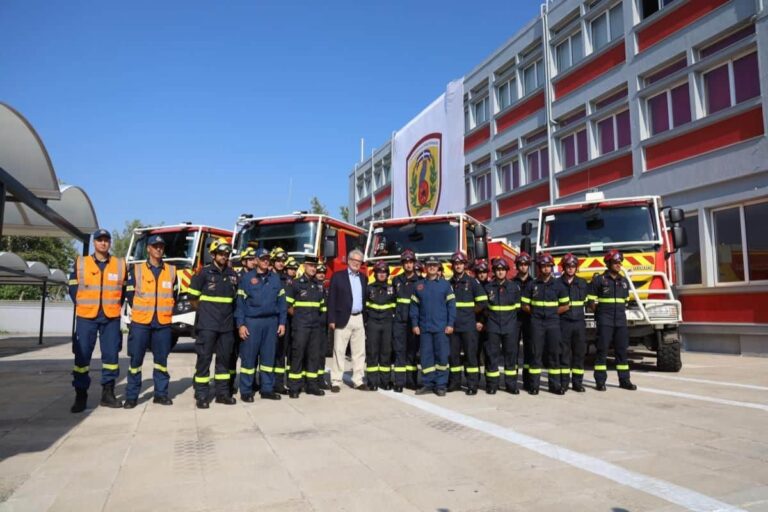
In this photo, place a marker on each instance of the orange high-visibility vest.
(153, 295)
(96, 288)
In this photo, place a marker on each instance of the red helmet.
(481, 266)
(458, 257)
(381, 266)
(523, 259)
(499, 263)
(613, 256)
(407, 254)
(545, 259)
(568, 260)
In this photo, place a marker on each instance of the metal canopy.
(23, 154)
(74, 205)
(14, 270)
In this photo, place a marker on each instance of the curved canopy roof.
(74, 205)
(14, 270)
(23, 154)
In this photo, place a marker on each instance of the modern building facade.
(634, 97)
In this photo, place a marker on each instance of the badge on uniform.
(390, 290)
(167, 285)
(254, 280)
(419, 287)
(491, 295)
(303, 293)
(111, 276)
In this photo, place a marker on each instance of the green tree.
(57, 253)
(121, 239)
(317, 207)
(344, 212)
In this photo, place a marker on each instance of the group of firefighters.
(274, 322)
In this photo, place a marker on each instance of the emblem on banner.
(423, 170)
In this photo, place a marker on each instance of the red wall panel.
(597, 175)
(481, 213)
(585, 73)
(718, 135)
(363, 205)
(676, 19)
(475, 139)
(383, 193)
(524, 199)
(514, 115)
(726, 307)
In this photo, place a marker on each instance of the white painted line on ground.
(687, 498)
(703, 381)
(701, 398)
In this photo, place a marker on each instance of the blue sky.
(194, 110)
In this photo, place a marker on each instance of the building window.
(569, 52)
(467, 193)
(467, 124)
(387, 170)
(573, 149)
(506, 93)
(360, 190)
(482, 187)
(607, 27)
(737, 228)
(666, 71)
(480, 111)
(537, 163)
(690, 255)
(533, 76)
(613, 132)
(648, 7)
(509, 176)
(669, 109)
(731, 83)
(727, 41)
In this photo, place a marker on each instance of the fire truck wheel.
(668, 357)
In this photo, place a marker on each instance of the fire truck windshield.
(294, 237)
(422, 238)
(619, 224)
(178, 244)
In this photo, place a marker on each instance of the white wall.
(24, 317)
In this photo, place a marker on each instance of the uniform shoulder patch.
(254, 280)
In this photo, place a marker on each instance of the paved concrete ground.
(696, 440)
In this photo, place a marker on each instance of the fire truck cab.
(433, 235)
(186, 247)
(648, 234)
(300, 234)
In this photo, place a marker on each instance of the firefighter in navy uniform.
(545, 299)
(305, 301)
(326, 350)
(151, 292)
(608, 296)
(523, 277)
(247, 263)
(260, 315)
(471, 300)
(213, 290)
(502, 329)
(573, 326)
(279, 259)
(405, 344)
(380, 304)
(480, 269)
(433, 313)
(97, 287)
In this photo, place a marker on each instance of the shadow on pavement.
(13, 345)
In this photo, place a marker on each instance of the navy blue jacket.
(260, 296)
(611, 296)
(433, 305)
(340, 297)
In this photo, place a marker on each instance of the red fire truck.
(433, 235)
(186, 247)
(648, 234)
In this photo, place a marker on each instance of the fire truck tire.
(668, 357)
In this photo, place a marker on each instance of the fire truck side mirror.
(329, 244)
(481, 248)
(526, 228)
(679, 237)
(676, 215)
(525, 244)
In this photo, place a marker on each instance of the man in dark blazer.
(346, 296)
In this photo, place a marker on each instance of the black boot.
(81, 401)
(627, 384)
(226, 400)
(108, 397)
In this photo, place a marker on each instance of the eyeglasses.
(355, 260)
